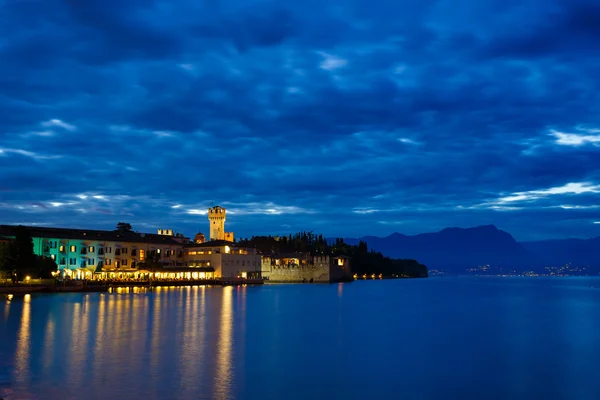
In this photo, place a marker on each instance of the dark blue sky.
(346, 118)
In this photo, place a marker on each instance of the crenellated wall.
(306, 269)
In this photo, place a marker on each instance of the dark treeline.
(17, 259)
(362, 261)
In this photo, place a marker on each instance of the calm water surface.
(436, 338)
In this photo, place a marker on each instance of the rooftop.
(213, 243)
(90, 235)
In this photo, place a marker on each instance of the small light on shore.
(27, 278)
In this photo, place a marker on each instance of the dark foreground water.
(437, 338)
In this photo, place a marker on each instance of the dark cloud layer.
(347, 119)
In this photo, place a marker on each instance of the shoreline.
(105, 287)
(85, 287)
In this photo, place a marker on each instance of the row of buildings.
(125, 254)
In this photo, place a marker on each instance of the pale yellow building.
(227, 259)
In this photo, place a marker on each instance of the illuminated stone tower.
(216, 218)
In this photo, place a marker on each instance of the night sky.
(346, 118)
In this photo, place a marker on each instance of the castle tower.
(216, 218)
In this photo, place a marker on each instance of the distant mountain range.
(488, 250)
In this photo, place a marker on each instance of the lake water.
(436, 338)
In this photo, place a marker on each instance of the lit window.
(92, 249)
(73, 249)
(142, 254)
(62, 248)
(53, 256)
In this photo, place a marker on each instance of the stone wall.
(315, 270)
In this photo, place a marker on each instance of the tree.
(17, 256)
(43, 268)
(124, 227)
(151, 263)
(362, 261)
(25, 259)
(7, 256)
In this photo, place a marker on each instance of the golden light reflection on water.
(49, 343)
(192, 344)
(6, 308)
(138, 342)
(155, 346)
(22, 353)
(224, 374)
(76, 348)
(99, 345)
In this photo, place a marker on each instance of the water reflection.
(224, 373)
(22, 353)
(100, 341)
(191, 347)
(428, 339)
(49, 343)
(127, 344)
(7, 307)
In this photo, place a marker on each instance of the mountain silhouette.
(485, 249)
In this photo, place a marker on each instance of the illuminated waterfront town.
(123, 254)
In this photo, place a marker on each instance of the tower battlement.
(216, 217)
(217, 212)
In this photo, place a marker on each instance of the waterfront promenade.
(49, 286)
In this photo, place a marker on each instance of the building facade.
(97, 254)
(89, 254)
(227, 259)
(81, 253)
(305, 268)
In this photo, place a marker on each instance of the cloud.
(438, 114)
(568, 189)
(575, 139)
(331, 62)
(39, 133)
(26, 153)
(58, 123)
